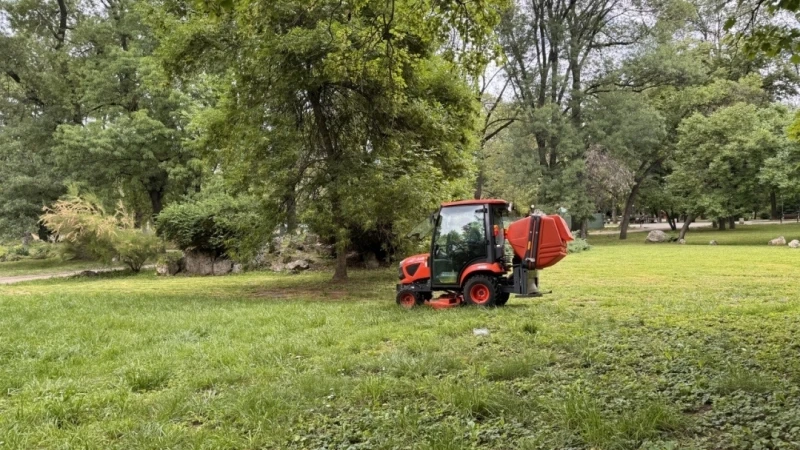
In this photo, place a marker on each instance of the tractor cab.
(472, 260)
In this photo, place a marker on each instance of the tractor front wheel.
(409, 299)
(482, 290)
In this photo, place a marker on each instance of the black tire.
(481, 290)
(502, 298)
(408, 298)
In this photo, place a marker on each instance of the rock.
(222, 266)
(169, 267)
(656, 236)
(741, 221)
(277, 267)
(198, 263)
(712, 243)
(780, 240)
(371, 261)
(480, 331)
(297, 266)
(237, 268)
(682, 241)
(794, 244)
(311, 239)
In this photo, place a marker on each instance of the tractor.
(469, 262)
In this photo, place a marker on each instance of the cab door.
(460, 239)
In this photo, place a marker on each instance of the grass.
(44, 266)
(742, 235)
(639, 346)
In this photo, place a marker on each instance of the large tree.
(353, 111)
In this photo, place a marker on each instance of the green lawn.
(639, 346)
(743, 235)
(44, 266)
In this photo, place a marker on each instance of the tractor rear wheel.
(409, 299)
(482, 290)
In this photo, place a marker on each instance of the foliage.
(638, 353)
(217, 223)
(578, 245)
(720, 157)
(335, 141)
(86, 230)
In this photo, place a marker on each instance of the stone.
(656, 236)
(712, 243)
(222, 266)
(371, 261)
(277, 266)
(168, 268)
(237, 268)
(198, 263)
(780, 240)
(682, 241)
(794, 244)
(296, 266)
(480, 331)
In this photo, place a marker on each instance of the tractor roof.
(484, 201)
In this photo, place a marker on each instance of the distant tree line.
(356, 119)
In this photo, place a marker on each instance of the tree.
(339, 106)
(83, 103)
(633, 131)
(550, 46)
(719, 159)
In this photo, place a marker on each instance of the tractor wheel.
(481, 290)
(408, 299)
(502, 298)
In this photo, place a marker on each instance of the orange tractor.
(468, 261)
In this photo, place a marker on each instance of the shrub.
(3, 253)
(216, 223)
(578, 245)
(86, 230)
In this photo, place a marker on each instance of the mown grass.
(639, 346)
(44, 266)
(741, 235)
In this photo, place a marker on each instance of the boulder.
(780, 240)
(794, 244)
(222, 266)
(656, 236)
(297, 266)
(371, 261)
(682, 241)
(712, 243)
(237, 268)
(168, 268)
(198, 263)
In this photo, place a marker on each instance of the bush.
(578, 245)
(217, 223)
(85, 228)
(3, 253)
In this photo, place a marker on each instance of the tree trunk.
(732, 223)
(721, 224)
(340, 274)
(156, 200)
(584, 228)
(685, 227)
(614, 218)
(773, 206)
(479, 185)
(672, 221)
(626, 213)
